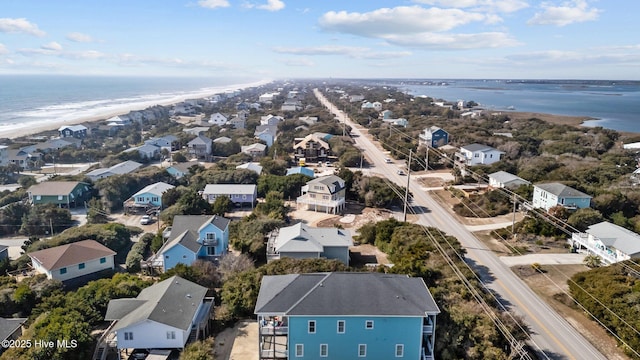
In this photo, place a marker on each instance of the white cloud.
(298, 62)
(272, 5)
(505, 6)
(3, 49)
(79, 37)
(398, 20)
(22, 25)
(454, 41)
(350, 51)
(52, 46)
(213, 4)
(568, 13)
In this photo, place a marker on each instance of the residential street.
(551, 336)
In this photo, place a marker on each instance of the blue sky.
(273, 39)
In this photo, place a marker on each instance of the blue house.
(148, 198)
(179, 170)
(549, 195)
(433, 137)
(192, 237)
(345, 316)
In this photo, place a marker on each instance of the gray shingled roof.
(184, 167)
(562, 190)
(158, 189)
(173, 302)
(505, 177)
(477, 147)
(200, 140)
(185, 230)
(9, 325)
(303, 238)
(374, 294)
(616, 237)
(331, 180)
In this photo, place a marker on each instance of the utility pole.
(513, 221)
(426, 159)
(51, 226)
(406, 192)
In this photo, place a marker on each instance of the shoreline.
(13, 131)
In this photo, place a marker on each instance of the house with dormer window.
(166, 315)
(325, 194)
(192, 237)
(312, 148)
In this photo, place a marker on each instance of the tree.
(222, 205)
(96, 214)
(179, 157)
(581, 219)
(26, 181)
(199, 350)
(232, 264)
(592, 261)
(191, 203)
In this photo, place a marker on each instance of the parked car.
(401, 172)
(387, 160)
(146, 220)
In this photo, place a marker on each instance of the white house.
(254, 150)
(325, 193)
(503, 179)
(169, 142)
(612, 243)
(218, 119)
(125, 167)
(237, 193)
(300, 241)
(253, 166)
(549, 195)
(165, 315)
(71, 261)
(477, 154)
(270, 119)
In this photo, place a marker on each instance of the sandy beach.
(13, 131)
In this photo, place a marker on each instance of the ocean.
(612, 104)
(32, 100)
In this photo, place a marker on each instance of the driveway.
(543, 259)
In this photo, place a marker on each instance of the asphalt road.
(550, 335)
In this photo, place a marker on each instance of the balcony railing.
(427, 329)
(210, 242)
(274, 330)
(593, 247)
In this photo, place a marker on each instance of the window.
(244, 197)
(210, 236)
(154, 199)
(324, 350)
(81, 266)
(399, 350)
(63, 270)
(340, 326)
(140, 199)
(171, 335)
(312, 326)
(368, 324)
(211, 250)
(60, 197)
(128, 335)
(38, 197)
(299, 350)
(362, 350)
(103, 260)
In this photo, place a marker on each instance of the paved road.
(552, 336)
